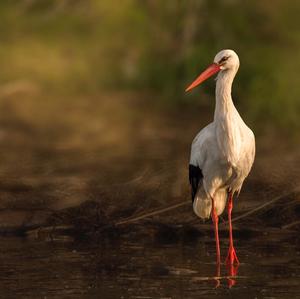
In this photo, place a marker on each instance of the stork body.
(223, 152)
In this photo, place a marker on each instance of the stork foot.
(218, 273)
(232, 272)
(231, 256)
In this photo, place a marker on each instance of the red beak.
(211, 70)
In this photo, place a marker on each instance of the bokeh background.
(92, 102)
(76, 47)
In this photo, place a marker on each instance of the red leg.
(215, 220)
(231, 257)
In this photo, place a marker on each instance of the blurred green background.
(86, 47)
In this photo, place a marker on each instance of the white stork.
(222, 153)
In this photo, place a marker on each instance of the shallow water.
(147, 269)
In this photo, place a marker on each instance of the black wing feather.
(195, 175)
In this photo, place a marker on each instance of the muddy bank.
(88, 163)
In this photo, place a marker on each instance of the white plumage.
(224, 150)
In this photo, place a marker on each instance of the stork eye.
(224, 59)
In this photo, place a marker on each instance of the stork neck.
(224, 103)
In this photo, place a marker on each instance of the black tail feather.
(195, 175)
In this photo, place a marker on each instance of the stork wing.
(198, 157)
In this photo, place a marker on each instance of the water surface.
(147, 268)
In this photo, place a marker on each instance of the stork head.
(224, 61)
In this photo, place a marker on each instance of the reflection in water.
(218, 274)
(232, 272)
(145, 269)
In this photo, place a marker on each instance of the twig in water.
(153, 213)
(287, 226)
(175, 206)
(295, 191)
